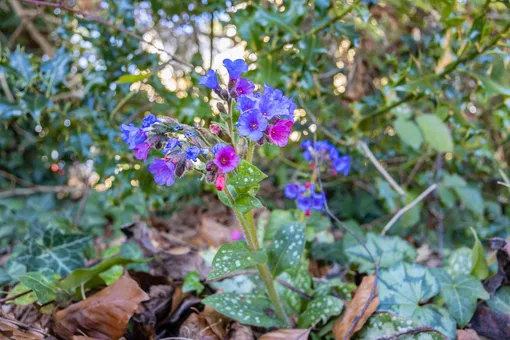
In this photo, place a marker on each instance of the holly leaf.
(500, 301)
(248, 309)
(321, 308)
(386, 250)
(245, 175)
(19, 61)
(404, 288)
(435, 132)
(460, 294)
(234, 256)
(43, 286)
(480, 268)
(287, 247)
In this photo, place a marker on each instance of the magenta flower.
(163, 172)
(237, 235)
(279, 133)
(226, 159)
(141, 151)
(244, 86)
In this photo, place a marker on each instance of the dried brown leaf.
(240, 332)
(355, 307)
(467, 334)
(214, 233)
(287, 334)
(195, 328)
(491, 324)
(104, 315)
(11, 331)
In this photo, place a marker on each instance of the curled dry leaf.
(104, 315)
(195, 327)
(287, 334)
(355, 307)
(240, 332)
(11, 331)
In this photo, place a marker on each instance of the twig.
(5, 88)
(410, 331)
(294, 289)
(407, 207)
(15, 178)
(36, 190)
(6, 299)
(379, 167)
(23, 326)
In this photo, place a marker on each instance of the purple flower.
(235, 68)
(132, 135)
(245, 103)
(171, 143)
(226, 159)
(291, 191)
(149, 120)
(251, 124)
(163, 171)
(304, 203)
(141, 151)
(192, 153)
(209, 80)
(318, 200)
(342, 164)
(216, 148)
(237, 235)
(244, 86)
(279, 132)
(306, 144)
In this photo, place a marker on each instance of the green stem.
(247, 224)
(251, 149)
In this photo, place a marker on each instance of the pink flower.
(220, 183)
(237, 235)
(226, 159)
(141, 151)
(215, 129)
(279, 132)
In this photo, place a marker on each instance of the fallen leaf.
(195, 328)
(490, 323)
(502, 248)
(240, 332)
(361, 296)
(214, 233)
(216, 322)
(11, 331)
(104, 315)
(287, 334)
(467, 334)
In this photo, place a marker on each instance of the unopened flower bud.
(220, 183)
(215, 129)
(221, 108)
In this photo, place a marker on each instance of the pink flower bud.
(220, 183)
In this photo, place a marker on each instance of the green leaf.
(460, 261)
(246, 175)
(500, 301)
(8, 110)
(446, 196)
(55, 70)
(471, 198)
(453, 181)
(460, 294)
(492, 86)
(386, 324)
(26, 299)
(246, 202)
(403, 289)
(131, 250)
(231, 257)
(386, 250)
(278, 219)
(192, 283)
(480, 268)
(112, 274)
(409, 132)
(132, 78)
(302, 280)
(334, 286)
(435, 132)
(20, 62)
(43, 287)
(321, 308)
(248, 309)
(287, 247)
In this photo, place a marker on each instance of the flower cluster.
(326, 155)
(306, 196)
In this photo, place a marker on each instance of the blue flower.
(318, 200)
(163, 172)
(291, 191)
(306, 144)
(142, 150)
(304, 203)
(216, 148)
(210, 80)
(342, 164)
(192, 153)
(252, 125)
(235, 68)
(132, 135)
(244, 86)
(149, 120)
(171, 143)
(245, 103)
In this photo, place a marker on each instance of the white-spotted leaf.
(386, 250)
(245, 175)
(321, 308)
(500, 301)
(287, 247)
(248, 309)
(231, 257)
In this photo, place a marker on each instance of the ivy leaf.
(233, 256)
(192, 283)
(409, 132)
(386, 250)
(287, 247)
(435, 132)
(402, 290)
(246, 175)
(460, 261)
(480, 268)
(385, 324)
(500, 301)
(460, 294)
(248, 309)
(43, 287)
(321, 308)
(55, 252)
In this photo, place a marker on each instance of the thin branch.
(408, 207)
(15, 178)
(24, 326)
(5, 88)
(410, 331)
(379, 167)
